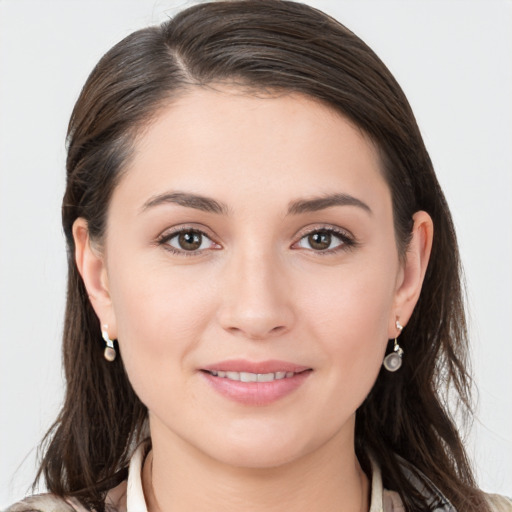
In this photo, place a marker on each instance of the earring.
(392, 362)
(110, 352)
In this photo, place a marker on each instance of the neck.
(176, 478)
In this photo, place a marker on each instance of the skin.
(257, 289)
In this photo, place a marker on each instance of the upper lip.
(241, 365)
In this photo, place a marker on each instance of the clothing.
(129, 496)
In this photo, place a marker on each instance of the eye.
(187, 241)
(325, 240)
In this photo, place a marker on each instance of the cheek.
(161, 318)
(348, 312)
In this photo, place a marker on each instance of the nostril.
(254, 334)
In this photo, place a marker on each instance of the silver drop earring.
(110, 352)
(392, 362)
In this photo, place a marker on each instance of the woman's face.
(251, 235)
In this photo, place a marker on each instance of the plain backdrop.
(452, 58)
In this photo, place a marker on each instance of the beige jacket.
(129, 496)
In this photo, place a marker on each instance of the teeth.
(252, 377)
(248, 377)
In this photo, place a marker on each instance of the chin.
(257, 457)
(260, 451)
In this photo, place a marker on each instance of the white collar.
(135, 501)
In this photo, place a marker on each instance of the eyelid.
(324, 227)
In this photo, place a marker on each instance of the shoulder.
(499, 503)
(434, 496)
(114, 501)
(46, 503)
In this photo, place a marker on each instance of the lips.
(255, 383)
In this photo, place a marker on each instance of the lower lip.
(256, 393)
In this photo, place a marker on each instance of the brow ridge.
(320, 203)
(188, 200)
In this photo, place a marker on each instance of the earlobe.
(91, 266)
(414, 268)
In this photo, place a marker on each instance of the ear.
(90, 262)
(410, 278)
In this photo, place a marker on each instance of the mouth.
(256, 384)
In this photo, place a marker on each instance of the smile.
(255, 383)
(252, 377)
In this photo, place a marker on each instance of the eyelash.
(347, 241)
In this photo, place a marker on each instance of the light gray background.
(453, 59)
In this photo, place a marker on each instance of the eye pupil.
(320, 240)
(190, 240)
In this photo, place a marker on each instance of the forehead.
(227, 142)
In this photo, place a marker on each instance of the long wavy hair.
(270, 46)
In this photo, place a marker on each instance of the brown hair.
(268, 45)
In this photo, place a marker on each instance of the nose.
(256, 302)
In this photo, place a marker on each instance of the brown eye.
(320, 240)
(324, 240)
(189, 240)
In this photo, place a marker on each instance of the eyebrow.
(198, 202)
(297, 207)
(320, 203)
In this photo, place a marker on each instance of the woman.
(251, 213)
